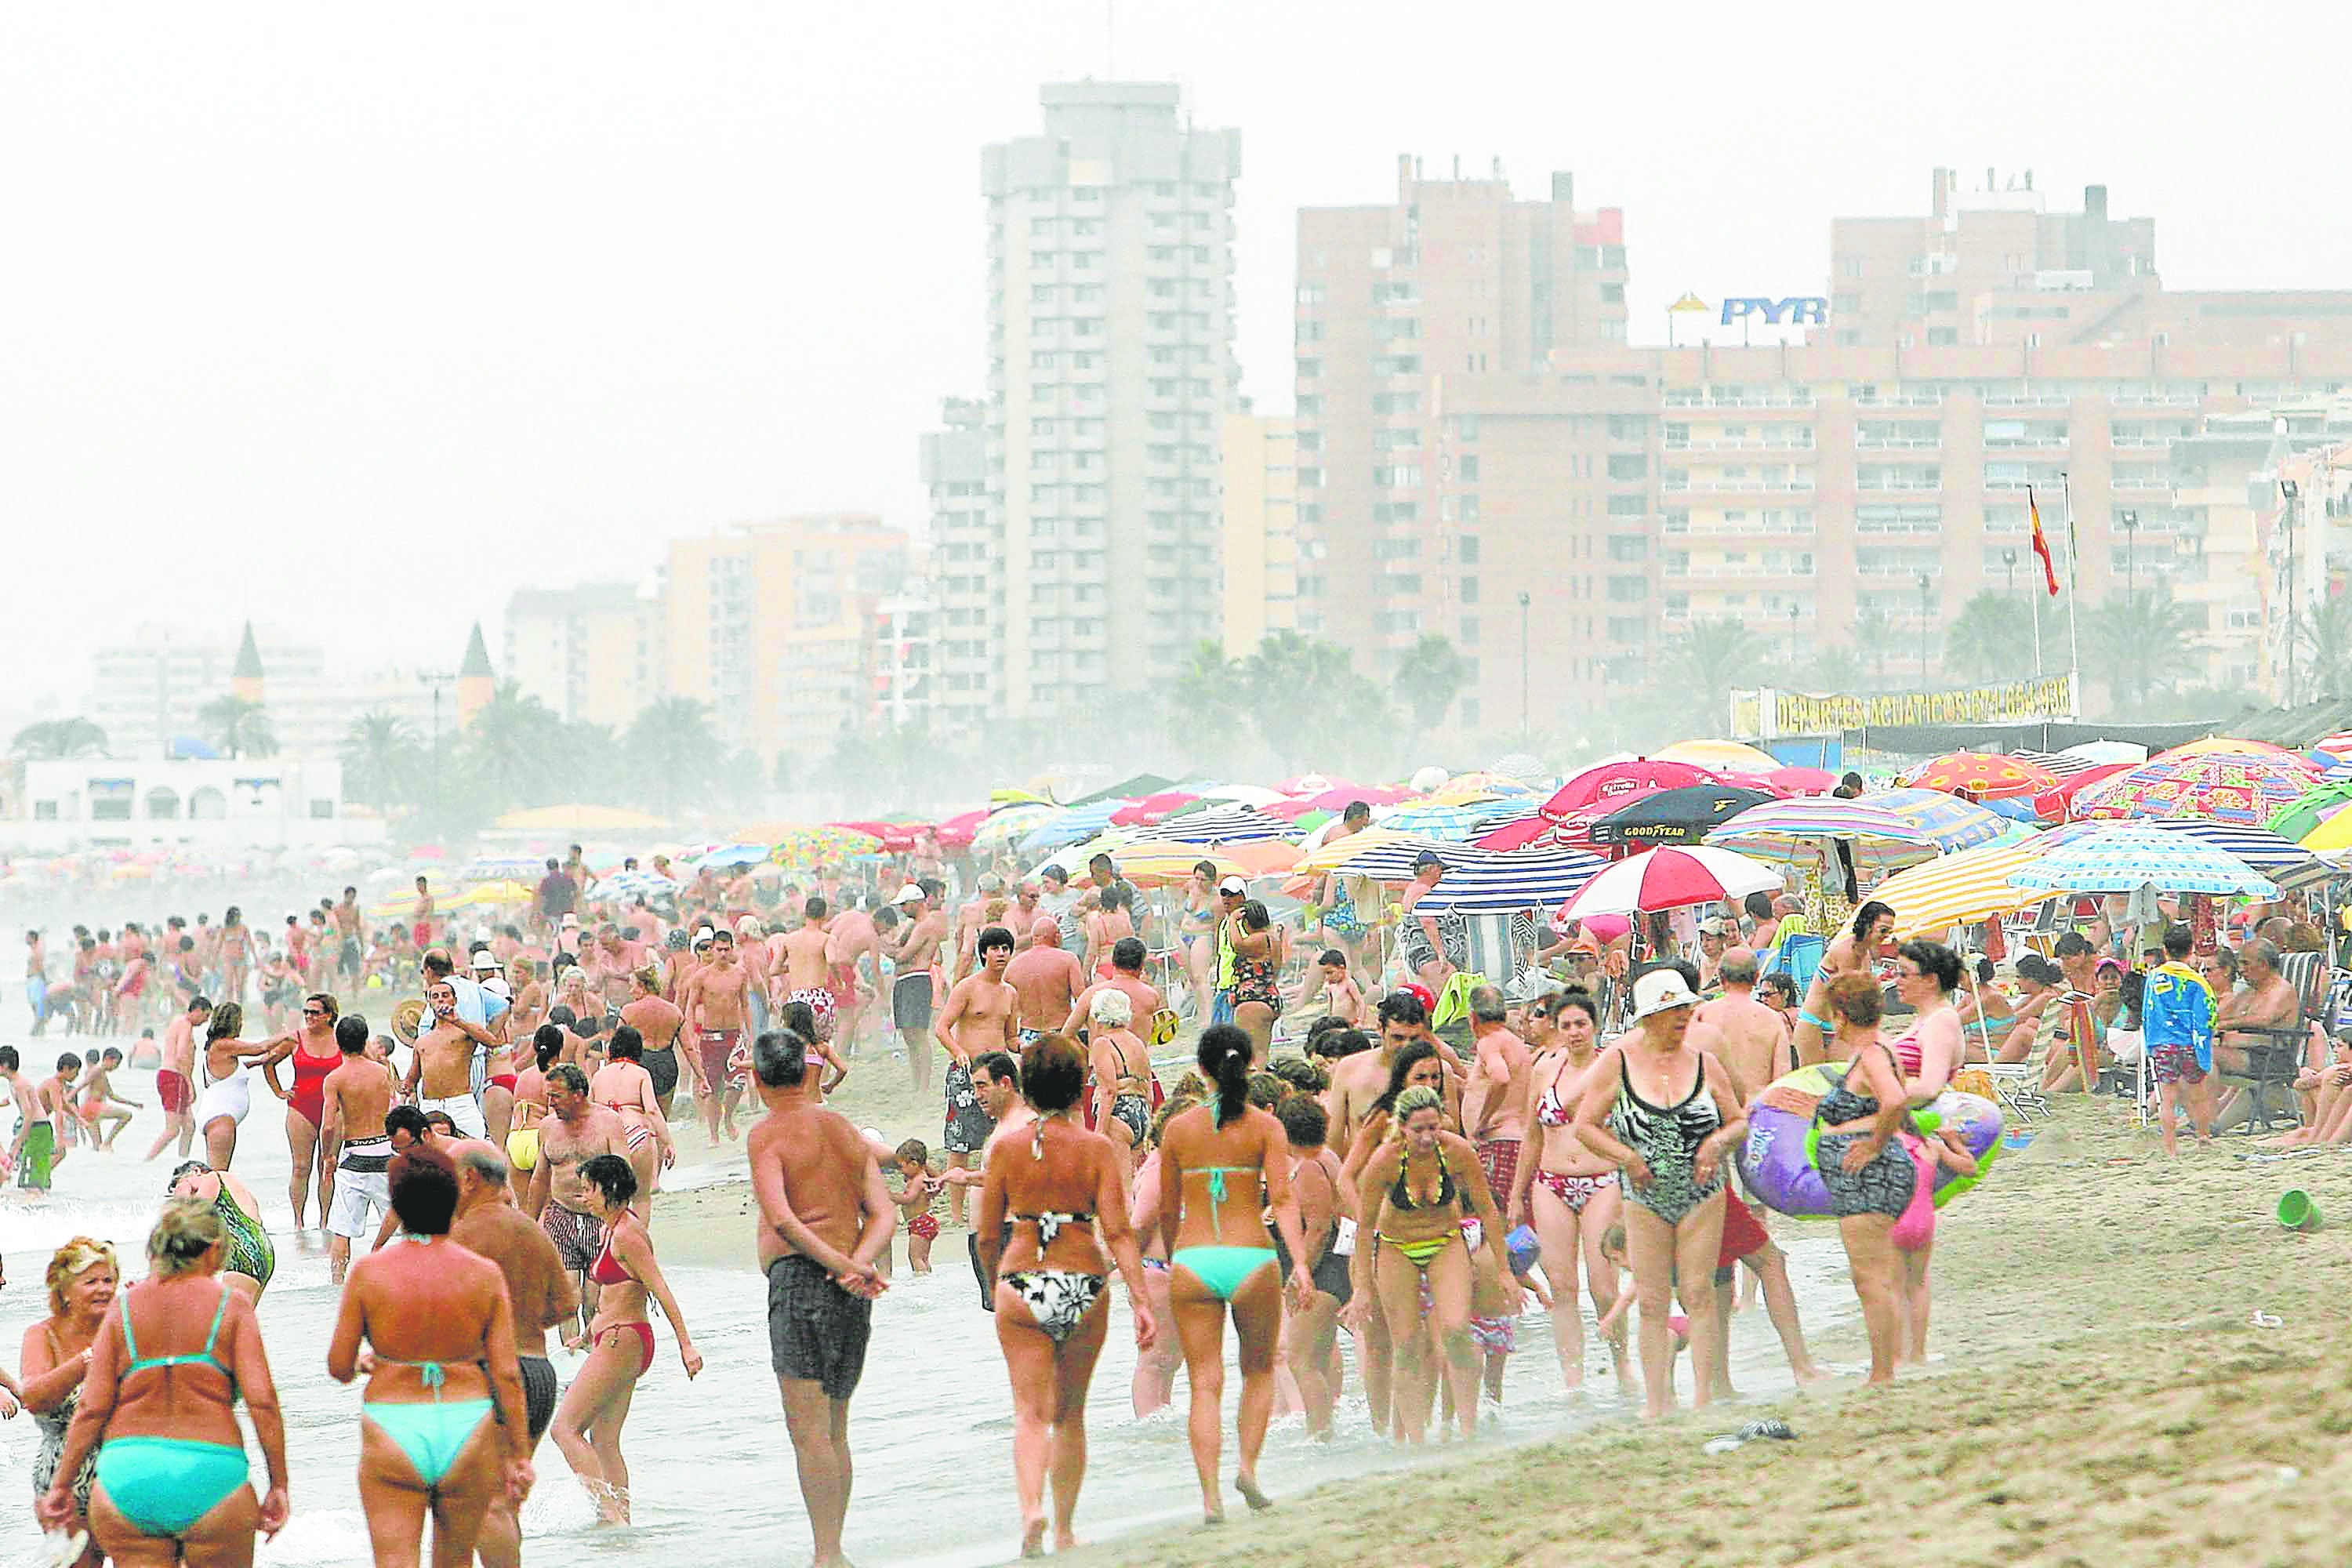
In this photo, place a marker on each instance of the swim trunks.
(717, 1046)
(817, 1332)
(174, 1091)
(968, 1120)
(539, 1393)
(2174, 1064)
(1743, 1234)
(911, 1003)
(1499, 1158)
(577, 1237)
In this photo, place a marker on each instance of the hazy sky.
(356, 320)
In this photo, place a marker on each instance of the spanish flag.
(2040, 545)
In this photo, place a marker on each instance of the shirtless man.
(352, 929)
(1360, 1079)
(1127, 956)
(805, 967)
(1755, 1047)
(718, 1008)
(856, 954)
(979, 1017)
(357, 1096)
(922, 930)
(574, 1131)
(825, 1216)
(420, 917)
(2267, 1002)
(440, 1073)
(1045, 978)
(1494, 1105)
(609, 962)
(1107, 926)
(175, 1081)
(490, 1225)
(970, 918)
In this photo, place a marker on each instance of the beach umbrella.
(1674, 816)
(1524, 832)
(2224, 786)
(502, 867)
(817, 844)
(1878, 835)
(1483, 882)
(1957, 890)
(2223, 746)
(1527, 769)
(1242, 794)
(1722, 756)
(1669, 878)
(2331, 764)
(2057, 803)
(1436, 819)
(633, 884)
(2280, 858)
(1071, 824)
(1228, 825)
(1981, 776)
(1151, 807)
(731, 856)
(2332, 836)
(1603, 783)
(1801, 780)
(2123, 856)
(1156, 864)
(1393, 849)
(2339, 744)
(895, 838)
(1476, 786)
(956, 832)
(1949, 822)
(2302, 816)
(2065, 764)
(1341, 798)
(1008, 826)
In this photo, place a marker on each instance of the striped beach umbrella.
(1072, 825)
(1484, 882)
(2123, 856)
(1958, 890)
(2280, 858)
(1008, 826)
(1667, 879)
(1231, 824)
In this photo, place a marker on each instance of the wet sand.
(2100, 1398)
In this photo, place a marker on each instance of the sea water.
(710, 1466)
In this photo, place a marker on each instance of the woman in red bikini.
(305, 1102)
(588, 1423)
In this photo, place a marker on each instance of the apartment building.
(961, 585)
(771, 623)
(1110, 332)
(1837, 493)
(1261, 542)
(593, 652)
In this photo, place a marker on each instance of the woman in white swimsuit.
(228, 1092)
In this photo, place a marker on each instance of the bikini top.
(1400, 1194)
(608, 1270)
(1219, 1190)
(1551, 1111)
(204, 1357)
(1050, 1221)
(1906, 1051)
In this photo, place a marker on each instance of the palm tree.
(1205, 704)
(383, 758)
(238, 727)
(1300, 693)
(510, 754)
(1832, 670)
(678, 751)
(56, 740)
(1991, 639)
(1711, 659)
(1429, 677)
(2325, 633)
(2134, 642)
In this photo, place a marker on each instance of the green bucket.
(2297, 1212)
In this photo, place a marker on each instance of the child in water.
(1612, 1251)
(918, 1187)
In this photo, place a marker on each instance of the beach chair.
(2272, 1065)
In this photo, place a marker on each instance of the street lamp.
(2009, 565)
(433, 680)
(2288, 492)
(2128, 520)
(1792, 633)
(1523, 602)
(1925, 582)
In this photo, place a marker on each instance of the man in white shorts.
(357, 1096)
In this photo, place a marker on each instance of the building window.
(1466, 467)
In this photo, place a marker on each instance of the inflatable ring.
(1164, 1024)
(1778, 1157)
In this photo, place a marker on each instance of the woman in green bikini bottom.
(166, 1374)
(1222, 1166)
(444, 1390)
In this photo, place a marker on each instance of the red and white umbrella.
(1667, 879)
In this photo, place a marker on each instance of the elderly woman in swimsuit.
(1222, 1168)
(443, 1389)
(159, 1405)
(1849, 952)
(1869, 1177)
(588, 1423)
(82, 1279)
(1122, 1075)
(1417, 1187)
(1666, 1115)
(1053, 1313)
(249, 1257)
(1568, 1191)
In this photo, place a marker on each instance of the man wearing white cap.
(921, 929)
(1232, 893)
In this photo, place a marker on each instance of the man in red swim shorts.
(175, 1085)
(717, 1005)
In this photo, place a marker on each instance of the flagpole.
(2036, 598)
(2073, 590)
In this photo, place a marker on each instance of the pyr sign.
(1798, 311)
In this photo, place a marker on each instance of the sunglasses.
(314, 1012)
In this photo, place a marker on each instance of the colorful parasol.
(1603, 782)
(2057, 803)
(1722, 756)
(1071, 824)
(2123, 856)
(1981, 776)
(1454, 822)
(2281, 859)
(2339, 744)
(1156, 864)
(2331, 837)
(821, 844)
(2224, 786)
(1008, 826)
(1896, 827)
(503, 869)
(1151, 807)
(2302, 817)
(1675, 815)
(956, 832)
(1956, 889)
(1801, 780)
(1669, 879)
(2222, 746)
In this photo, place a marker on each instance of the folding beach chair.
(2272, 1065)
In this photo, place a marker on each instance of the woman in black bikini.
(1122, 1076)
(1868, 1174)
(1051, 1311)
(1566, 1191)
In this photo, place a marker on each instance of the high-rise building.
(1261, 543)
(960, 589)
(771, 623)
(1110, 257)
(146, 692)
(1455, 284)
(1832, 493)
(593, 652)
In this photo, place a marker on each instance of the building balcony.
(1899, 443)
(1790, 443)
(1899, 400)
(2027, 399)
(1907, 483)
(2026, 443)
(1932, 565)
(1710, 528)
(1726, 571)
(2140, 484)
(1802, 484)
(2157, 400)
(1748, 400)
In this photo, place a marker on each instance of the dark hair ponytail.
(1224, 1055)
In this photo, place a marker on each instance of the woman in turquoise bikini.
(159, 1404)
(444, 1390)
(1222, 1168)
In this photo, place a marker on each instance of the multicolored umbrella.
(1454, 822)
(1722, 756)
(1603, 783)
(503, 868)
(821, 844)
(1669, 879)
(2339, 744)
(1072, 825)
(2222, 746)
(1156, 864)
(1007, 826)
(1674, 816)
(2331, 837)
(1151, 808)
(1981, 776)
(2126, 855)
(2224, 786)
(1894, 827)
(2283, 860)
(2057, 803)
(2303, 816)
